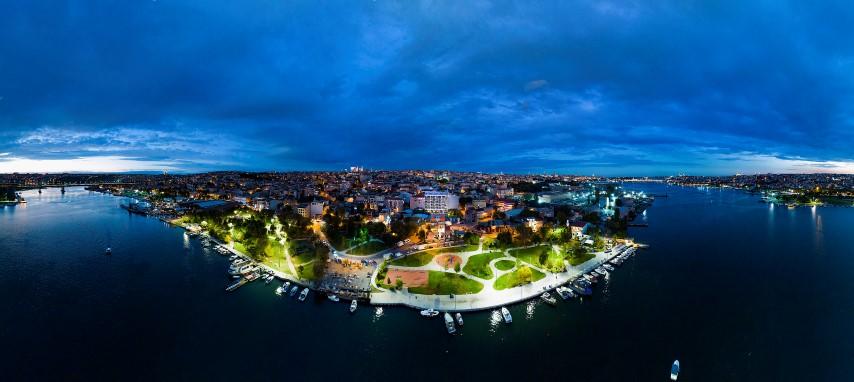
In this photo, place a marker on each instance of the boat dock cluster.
(575, 288)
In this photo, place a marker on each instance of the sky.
(574, 87)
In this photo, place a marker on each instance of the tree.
(422, 235)
(504, 239)
(457, 267)
(471, 238)
(525, 275)
(398, 284)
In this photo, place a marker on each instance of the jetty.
(236, 285)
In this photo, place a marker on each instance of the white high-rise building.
(437, 202)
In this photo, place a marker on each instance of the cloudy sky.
(604, 87)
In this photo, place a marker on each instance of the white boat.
(303, 294)
(333, 297)
(548, 298)
(109, 251)
(459, 319)
(449, 323)
(293, 291)
(562, 292)
(353, 305)
(286, 285)
(278, 291)
(429, 312)
(506, 313)
(674, 370)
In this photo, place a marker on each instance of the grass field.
(369, 248)
(575, 260)
(523, 275)
(478, 265)
(540, 256)
(445, 283)
(423, 258)
(505, 265)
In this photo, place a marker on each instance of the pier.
(236, 285)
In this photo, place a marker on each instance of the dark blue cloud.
(607, 87)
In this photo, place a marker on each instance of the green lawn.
(575, 260)
(541, 256)
(423, 258)
(505, 265)
(307, 272)
(445, 283)
(369, 248)
(478, 265)
(523, 275)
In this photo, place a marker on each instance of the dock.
(236, 285)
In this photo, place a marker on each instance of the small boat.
(548, 298)
(674, 370)
(506, 314)
(235, 277)
(286, 285)
(108, 251)
(609, 267)
(268, 279)
(293, 291)
(303, 294)
(429, 313)
(353, 305)
(449, 323)
(333, 297)
(563, 292)
(278, 291)
(459, 319)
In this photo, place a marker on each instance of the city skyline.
(605, 88)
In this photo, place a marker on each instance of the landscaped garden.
(505, 265)
(446, 283)
(425, 257)
(521, 276)
(542, 256)
(478, 265)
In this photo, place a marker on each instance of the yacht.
(353, 305)
(109, 251)
(333, 297)
(548, 298)
(674, 370)
(303, 294)
(459, 319)
(429, 312)
(506, 313)
(293, 291)
(286, 285)
(562, 292)
(449, 323)
(609, 267)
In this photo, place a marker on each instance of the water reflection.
(494, 321)
(530, 307)
(378, 313)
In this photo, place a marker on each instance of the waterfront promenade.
(490, 298)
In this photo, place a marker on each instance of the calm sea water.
(735, 289)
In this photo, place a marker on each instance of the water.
(735, 289)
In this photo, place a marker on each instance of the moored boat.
(449, 323)
(548, 298)
(333, 297)
(429, 313)
(353, 305)
(293, 291)
(303, 294)
(459, 319)
(506, 314)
